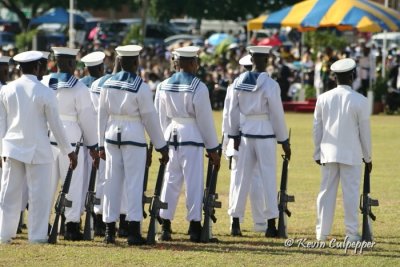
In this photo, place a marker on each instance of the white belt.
(258, 117)
(68, 118)
(124, 118)
(183, 120)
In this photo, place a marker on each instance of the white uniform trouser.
(349, 176)
(124, 170)
(257, 197)
(100, 179)
(185, 164)
(254, 154)
(25, 195)
(38, 180)
(60, 169)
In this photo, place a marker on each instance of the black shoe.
(235, 229)
(195, 231)
(99, 226)
(166, 231)
(134, 236)
(109, 237)
(49, 229)
(271, 229)
(73, 232)
(123, 226)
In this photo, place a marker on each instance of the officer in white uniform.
(26, 151)
(184, 109)
(42, 71)
(256, 97)
(125, 111)
(79, 117)
(257, 198)
(342, 139)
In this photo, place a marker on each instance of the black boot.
(99, 226)
(235, 229)
(73, 232)
(166, 231)
(109, 237)
(271, 229)
(134, 236)
(123, 226)
(195, 231)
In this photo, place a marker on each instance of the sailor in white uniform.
(184, 109)
(79, 118)
(342, 139)
(257, 123)
(94, 63)
(257, 198)
(26, 151)
(125, 111)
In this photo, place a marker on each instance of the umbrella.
(217, 38)
(57, 15)
(271, 41)
(363, 15)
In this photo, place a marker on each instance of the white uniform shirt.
(186, 101)
(75, 106)
(341, 127)
(27, 108)
(119, 99)
(260, 99)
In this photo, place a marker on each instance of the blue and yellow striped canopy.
(363, 15)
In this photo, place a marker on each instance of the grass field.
(253, 249)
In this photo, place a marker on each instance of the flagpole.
(71, 30)
(384, 49)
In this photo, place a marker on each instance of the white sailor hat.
(233, 46)
(187, 51)
(64, 51)
(28, 56)
(245, 61)
(93, 59)
(343, 65)
(128, 50)
(4, 59)
(259, 49)
(45, 54)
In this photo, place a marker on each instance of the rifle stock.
(283, 199)
(90, 202)
(62, 201)
(155, 205)
(365, 206)
(210, 201)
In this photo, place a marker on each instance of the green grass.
(253, 249)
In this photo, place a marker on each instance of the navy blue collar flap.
(124, 80)
(62, 80)
(247, 81)
(100, 84)
(181, 82)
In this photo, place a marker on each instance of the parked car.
(7, 38)
(183, 25)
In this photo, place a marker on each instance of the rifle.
(365, 206)
(155, 206)
(90, 202)
(210, 201)
(62, 201)
(146, 199)
(283, 199)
